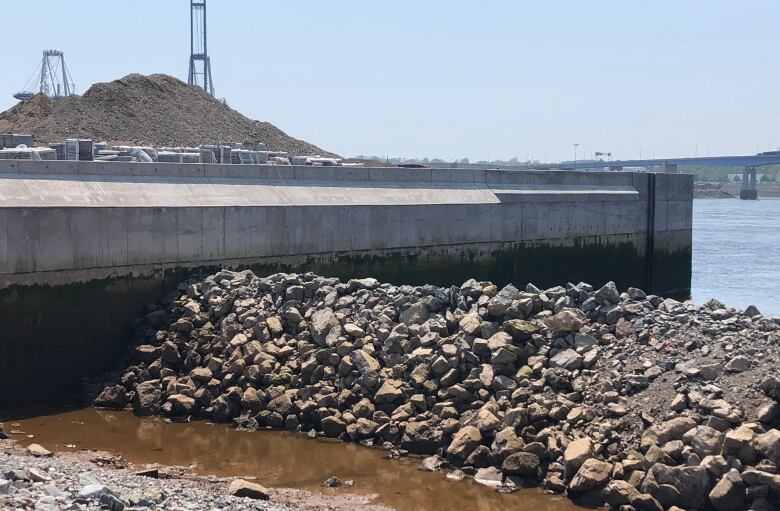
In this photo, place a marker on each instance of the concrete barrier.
(83, 245)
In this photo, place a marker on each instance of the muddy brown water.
(275, 458)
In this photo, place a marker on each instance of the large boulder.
(113, 397)
(148, 396)
(498, 305)
(389, 392)
(322, 322)
(471, 324)
(607, 294)
(364, 362)
(706, 441)
(729, 493)
(201, 375)
(567, 359)
(522, 464)
(170, 353)
(38, 451)
(673, 429)
(242, 488)
(471, 288)
(281, 404)
(490, 477)
(181, 405)
(464, 442)
(333, 426)
(567, 320)
(768, 445)
(692, 485)
(740, 443)
(591, 474)
(422, 437)
(576, 453)
(147, 353)
(519, 329)
(416, 314)
(620, 493)
(771, 387)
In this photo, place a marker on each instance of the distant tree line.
(769, 173)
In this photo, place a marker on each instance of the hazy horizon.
(445, 79)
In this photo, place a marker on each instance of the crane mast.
(200, 63)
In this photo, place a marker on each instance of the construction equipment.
(52, 76)
(200, 64)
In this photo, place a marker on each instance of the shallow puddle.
(276, 459)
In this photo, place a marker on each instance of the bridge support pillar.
(669, 168)
(749, 190)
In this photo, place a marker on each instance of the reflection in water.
(277, 459)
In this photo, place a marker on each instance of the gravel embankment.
(613, 398)
(157, 110)
(75, 482)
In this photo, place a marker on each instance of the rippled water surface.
(736, 253)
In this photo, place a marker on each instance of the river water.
(736, 253)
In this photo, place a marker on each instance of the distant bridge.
(747, 163)
(712, 161)
(669, 165)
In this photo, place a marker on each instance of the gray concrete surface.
(64, 222)
(83, 245)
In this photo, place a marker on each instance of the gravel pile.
(38, 481)
(623, 399)
(156, 110)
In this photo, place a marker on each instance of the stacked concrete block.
(71, 149)
(86, 150)
(222, 153)
(28, 153)
(79, 149)
(254, 153)
(178, 157)
(325, 162)
(260, 157)
(12, 140)
(59, 149)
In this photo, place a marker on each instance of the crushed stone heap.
(156, 110)
(617, 398)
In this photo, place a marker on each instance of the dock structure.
(85, 244)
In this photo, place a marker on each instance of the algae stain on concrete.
(54, 336)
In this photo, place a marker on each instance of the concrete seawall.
(83, 245)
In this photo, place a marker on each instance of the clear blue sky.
(446, 78)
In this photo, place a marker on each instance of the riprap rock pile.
(618, 398)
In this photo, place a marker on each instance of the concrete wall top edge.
(309, 173)
(115, 191)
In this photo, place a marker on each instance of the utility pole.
(575, 155)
